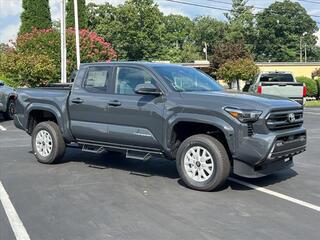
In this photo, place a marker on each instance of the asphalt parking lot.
(105, 196)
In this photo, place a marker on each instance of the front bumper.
(264, 154)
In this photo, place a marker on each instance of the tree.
(177, 30)
(281, 27)
(241, 26)
(208, 30)
(36, 14)
(135, 28)
(236, 70)
(177, 42)
(82, 14)
(35, 58)
(228, 51)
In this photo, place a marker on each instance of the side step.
(93, 149)
(138, 155)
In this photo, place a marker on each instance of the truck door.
(88, 104)
(135, 120)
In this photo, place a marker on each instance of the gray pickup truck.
(7, 98)
(152, 109)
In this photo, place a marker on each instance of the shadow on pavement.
(152, 167)
(161, 167)
(264, 181)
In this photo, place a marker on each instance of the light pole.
(205, 50)
(76, 23)
(301, 37)
(63, 42)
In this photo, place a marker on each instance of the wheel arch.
(40, 113)
(204, 123)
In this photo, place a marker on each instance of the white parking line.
(276, 194)
(2, 128)
(16, 224)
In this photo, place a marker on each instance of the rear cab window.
(276, 77)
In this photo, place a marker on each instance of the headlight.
(244, 116)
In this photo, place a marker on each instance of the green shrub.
(35, 58)
(9, 82)
(26, 69)
(310, 84)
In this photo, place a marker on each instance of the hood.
(242, 100)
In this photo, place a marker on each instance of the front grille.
(250, 130)
(285, 119)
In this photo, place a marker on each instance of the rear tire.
(203, 163)
(11, 109)
(47, 143)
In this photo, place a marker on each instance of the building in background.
(298, 69)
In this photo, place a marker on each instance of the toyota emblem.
(291, 118)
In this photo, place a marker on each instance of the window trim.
(108, 83)
(114, 87)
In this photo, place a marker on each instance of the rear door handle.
(114, 103)
(77, 100)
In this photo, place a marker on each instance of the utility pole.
(300, 48)
(205, 50)
(76, 23)
(305, 52)
(63, 42)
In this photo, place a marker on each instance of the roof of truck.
(152, 64)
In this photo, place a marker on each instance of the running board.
(93, 149)
(138, 155)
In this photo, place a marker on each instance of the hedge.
(311, 85)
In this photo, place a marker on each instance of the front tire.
(47, 143)
(203, 163)
(11, 109)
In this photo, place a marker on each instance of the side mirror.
(1, 83)
(147, 89)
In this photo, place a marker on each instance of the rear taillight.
(259, 89)
(304, 91)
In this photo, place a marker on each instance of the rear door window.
(97, 79)
(276, 77)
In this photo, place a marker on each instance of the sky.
(10, 11)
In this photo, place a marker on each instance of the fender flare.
(44, 107)
(219, 123)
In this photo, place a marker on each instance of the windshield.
(276, 77)
(187, 79)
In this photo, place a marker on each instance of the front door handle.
(114, 103)
(77, 100)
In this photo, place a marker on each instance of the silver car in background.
(7, 101)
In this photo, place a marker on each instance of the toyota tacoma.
(173, 111)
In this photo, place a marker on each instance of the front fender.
(219, 123)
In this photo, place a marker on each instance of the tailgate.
(289, 90)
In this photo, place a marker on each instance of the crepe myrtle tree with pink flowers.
(45, 43)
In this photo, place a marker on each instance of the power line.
(199, 5)
(309, 1)
(218, 8)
